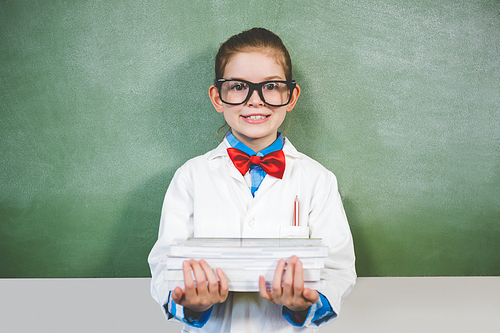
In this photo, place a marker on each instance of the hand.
(201, 296)
(288, 289)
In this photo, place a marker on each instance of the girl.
(245, 188)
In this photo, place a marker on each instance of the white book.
(249, 248)
(232, 275)
(246, 263)
(251, 286)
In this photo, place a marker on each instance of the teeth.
(256, 117)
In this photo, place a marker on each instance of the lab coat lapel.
(221, 152)
(240, 182)
(233, 172)
(267, 183)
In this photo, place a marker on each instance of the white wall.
(451, 304)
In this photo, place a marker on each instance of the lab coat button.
(252, 224)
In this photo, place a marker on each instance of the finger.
(223, 285)
(264, 293)
(298, 285)
(276, 284)
(199, 275)
(288, 277)
(189, 285)
(298, 280)
(213, 282)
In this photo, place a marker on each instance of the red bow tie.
(273, 163)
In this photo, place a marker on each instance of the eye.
(238, 86)
(272, 86)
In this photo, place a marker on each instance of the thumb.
(311, 295)
(177, 295)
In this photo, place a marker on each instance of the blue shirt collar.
(275, 146)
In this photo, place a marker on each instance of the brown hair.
(253, 40)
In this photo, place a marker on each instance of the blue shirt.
(256, 173)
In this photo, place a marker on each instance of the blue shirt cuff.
(318, 313)
(195, 319)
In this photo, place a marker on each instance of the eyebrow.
(275, 78)
(269, 78)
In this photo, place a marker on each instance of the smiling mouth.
(255, 117)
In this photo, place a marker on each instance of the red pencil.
(296, 211)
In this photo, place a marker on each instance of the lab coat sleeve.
(327, 220)
(176, 225)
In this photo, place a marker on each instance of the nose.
(255, 99)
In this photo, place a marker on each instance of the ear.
(295, 97)
(215, 98)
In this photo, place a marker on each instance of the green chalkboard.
(101, 101)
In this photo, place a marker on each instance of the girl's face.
(254, 123)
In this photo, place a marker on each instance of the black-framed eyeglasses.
(273, 93)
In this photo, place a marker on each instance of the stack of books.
(244, 260)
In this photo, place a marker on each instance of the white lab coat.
(208, 197)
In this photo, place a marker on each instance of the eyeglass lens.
(274, 93)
